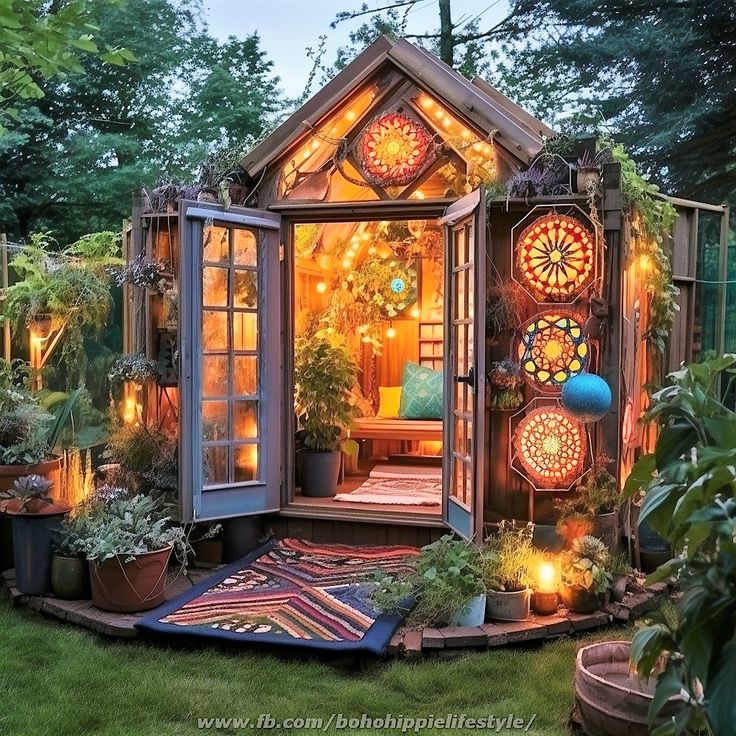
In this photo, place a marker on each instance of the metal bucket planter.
(508, 606)
(70, 578)
(128, 586)
(580, 600)
(33, 535)
(606, 528)
(611, 700)
(471, 614)
(320, 472)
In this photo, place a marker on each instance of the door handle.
(469, 378)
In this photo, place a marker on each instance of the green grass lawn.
(63, 681)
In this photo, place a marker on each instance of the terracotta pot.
(127, 587)
(70, 578)
(580, 600)
(50, 469)
(611, 700)
(572, 529)
(508, 606)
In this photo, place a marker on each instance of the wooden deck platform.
(407, 643)
(83, 613)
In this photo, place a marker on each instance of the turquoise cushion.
(421, 393)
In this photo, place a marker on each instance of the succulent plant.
(32, 486)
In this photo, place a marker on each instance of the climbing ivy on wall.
(652, 220)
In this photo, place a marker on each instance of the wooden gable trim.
(536, 126)
(466, 99)
(335, 91)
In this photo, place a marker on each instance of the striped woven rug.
(289, 592)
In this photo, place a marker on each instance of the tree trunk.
(447, 42)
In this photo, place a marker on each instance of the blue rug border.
(375, 640)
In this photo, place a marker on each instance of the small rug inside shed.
(394, 484)
(290, 592)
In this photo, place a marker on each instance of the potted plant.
(588, 172)
(324, 376)
(443, 586)
(128, 550)
(36, 519)
(28, 433)
(69, 569)
(506, 565)
(593, 507)
(585, 575)
(506, 378)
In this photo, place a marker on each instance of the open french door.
(230, 338)
(465, 369)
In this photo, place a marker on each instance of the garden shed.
(415, 233)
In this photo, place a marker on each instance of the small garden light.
(544, 599)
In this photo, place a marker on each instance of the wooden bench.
(410, 430)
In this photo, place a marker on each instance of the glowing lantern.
(544, 600)
(321, 287)
(393, 149)
(550, 447)
(391, 333)
(552, 349)
(555, 257)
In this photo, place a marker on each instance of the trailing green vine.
(652, 221)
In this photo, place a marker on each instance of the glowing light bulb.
(645, 262)
(426, 102)
(350, 115)
(346, 263)
(416, 313)
(547, 577)
(390, 333)
(321, 287)
(315, 144)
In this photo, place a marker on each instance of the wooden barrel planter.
(128, 586)
(611, 700)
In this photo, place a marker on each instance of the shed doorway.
(371, 291)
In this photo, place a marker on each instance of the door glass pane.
(245, 330)
(246, 289)
(215, 244)
(246, 463)
(214, 331)
(215, 375)
(245, 419)
(245, 247)
(215, 287)
(244, 375)
(216, 461)
(214, 421)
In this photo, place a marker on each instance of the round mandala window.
(552, 348)
(393, 149)
(555, 257)
(550, 447)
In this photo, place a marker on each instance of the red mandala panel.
(555, 257)
(393, 149)
(551, 447)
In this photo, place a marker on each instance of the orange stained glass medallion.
(555, 257)
(550, 446)
(393, 149)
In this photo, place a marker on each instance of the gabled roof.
(517, 131)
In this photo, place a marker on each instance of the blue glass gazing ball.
(586, 397)
(398, 285)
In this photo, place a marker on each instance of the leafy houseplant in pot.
(506, 564)
(36, 519)
(593, 507)
(324, 377)
(585, 575)
(128, 550)
(443, 586)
